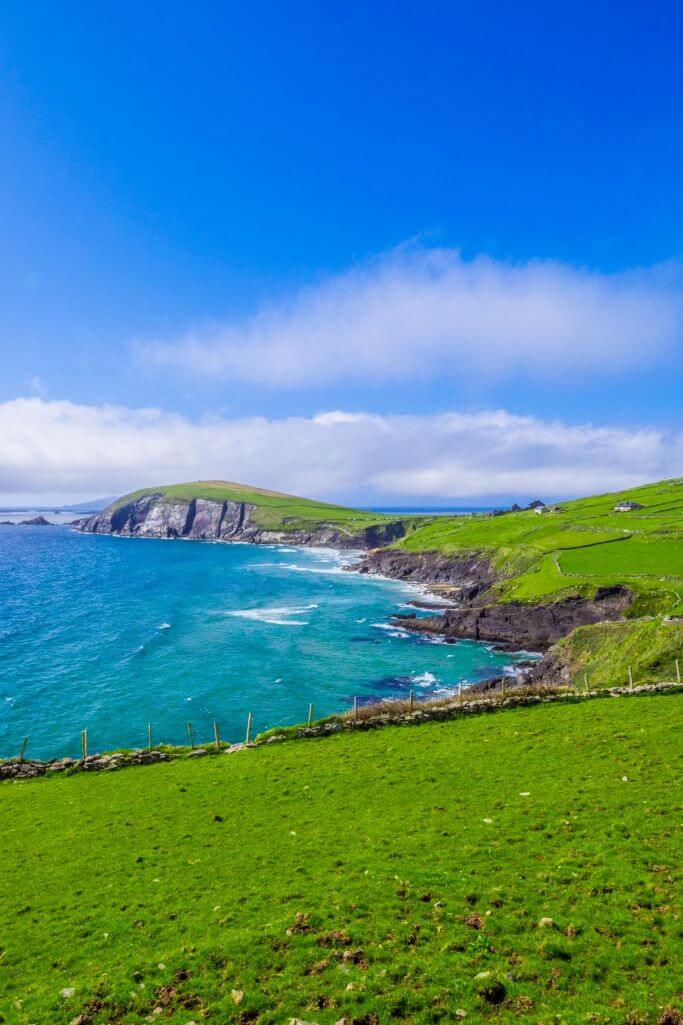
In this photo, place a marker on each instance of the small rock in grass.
(67, 992)
(237, 996)
(460, 1012)
(483, 975)
(489, 822)
(161, 966)
(525, 793)
(624, 779)
(492, 991)
(546, 923)
(300, 1021)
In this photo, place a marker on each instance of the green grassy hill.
(274, 511)
(578, 546)
(515, 868)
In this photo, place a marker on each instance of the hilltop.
(222, 510)
(514, 867)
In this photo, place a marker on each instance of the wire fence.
(362, 711)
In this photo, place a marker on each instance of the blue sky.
(389, 213)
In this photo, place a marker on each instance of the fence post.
(189, 730)
(84, 743)
(248, 736)
(355, 708)
(630, 678)
(412, 700)
(678, 672)
(310, 714)
(149, 736)
(585, 680)
(217, 736)
(23, 748)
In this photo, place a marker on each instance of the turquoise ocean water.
(112, 634)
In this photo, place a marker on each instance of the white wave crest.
(276, 616)
(425, 679)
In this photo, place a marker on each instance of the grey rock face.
(205, 520)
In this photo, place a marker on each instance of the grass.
(274, 511)
(372, 877)
(573, 549)
(606, 651)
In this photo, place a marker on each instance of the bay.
(112, 634)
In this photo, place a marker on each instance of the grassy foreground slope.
(381, 877)
(274, 511)
(578, 546)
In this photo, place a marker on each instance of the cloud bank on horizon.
(63, 449)
(423, 313)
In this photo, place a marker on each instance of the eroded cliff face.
(519, 625)
(477, 614)
(202, 519)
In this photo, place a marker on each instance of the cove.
(112, 634)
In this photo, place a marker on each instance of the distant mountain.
(94, 505)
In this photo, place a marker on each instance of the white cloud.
(60, 449)
(429, 312)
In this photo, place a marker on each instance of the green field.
(274, 511)
(576, 547)
(400, 875)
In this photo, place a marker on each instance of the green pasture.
(517, 867)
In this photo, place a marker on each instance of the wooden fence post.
(630, 678)
(412, 700)
(189, 730)
(310, 715)
(217, 736)
(678, 672)
(355, 708)
(149, 736)
(23, 748)
(84, 743)
(249, 722)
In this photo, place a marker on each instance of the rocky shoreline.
(461, 599)
(473, 613)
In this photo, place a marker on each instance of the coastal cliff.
(476, 614)
(544, 579)
(155, 514)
